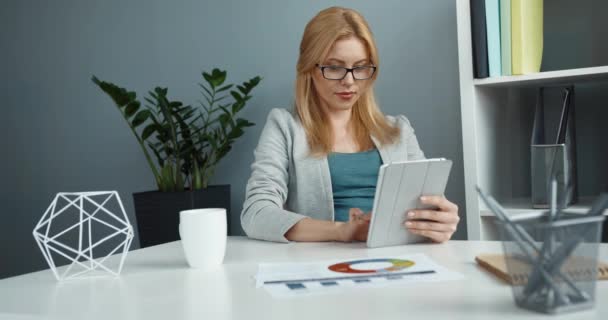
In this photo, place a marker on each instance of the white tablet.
(399, 188)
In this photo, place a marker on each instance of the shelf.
(496, 120)
(522, 207)
(546, 78)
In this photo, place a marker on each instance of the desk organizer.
(553, 257)
(557, 270)
(553, 147)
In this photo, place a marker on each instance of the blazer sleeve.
(407, 133)
(263, 216)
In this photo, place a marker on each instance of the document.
(283, 280)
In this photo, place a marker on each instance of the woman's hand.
(441, 223)
(356, 228)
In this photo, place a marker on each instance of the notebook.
(496, 264)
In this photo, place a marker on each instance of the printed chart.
(347, 267)
(322, 277)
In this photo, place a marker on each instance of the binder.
(493, 35)
(526, 36)
(497, 265)
(479, 38)
(505, 37)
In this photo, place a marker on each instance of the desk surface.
(157, 284)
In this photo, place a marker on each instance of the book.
(479, 38)
(497, 265)
(526, 36)
(505, 37)
(493, 35)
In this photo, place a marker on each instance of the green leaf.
(237, 132)
(212, 140)
(159, 92)
(167, 177)
(229, 117)
(197, 181)
(254, 81)
(236, 95)
(168, 151)
(175, 104)
(224, 118)
(237, 106)
(140, 118)
(131, 108)
(226, 111)
(188, 115)
(208, 103)
(159, 159)
(220, 98)
(162, 135)
(120, 96)
(219, 77)
(208, 78)
(241, 123)
(207, 93)
(183, 108)
(150, 101)
(224, 88)
(148, 131)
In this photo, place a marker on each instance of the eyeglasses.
(339, 73)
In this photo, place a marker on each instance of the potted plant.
(182, 146)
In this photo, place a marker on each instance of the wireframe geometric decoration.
(84, 229)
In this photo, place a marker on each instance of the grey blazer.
(287, 184)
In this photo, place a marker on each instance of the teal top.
(353, 181)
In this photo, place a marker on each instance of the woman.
(315, 169)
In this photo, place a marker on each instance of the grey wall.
(60, 133)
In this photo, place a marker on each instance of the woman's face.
(336, 95)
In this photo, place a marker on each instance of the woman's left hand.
(437, 224)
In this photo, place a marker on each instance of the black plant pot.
(157, 213)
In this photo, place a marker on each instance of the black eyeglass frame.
(351, 70)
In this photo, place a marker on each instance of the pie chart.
(350, 266)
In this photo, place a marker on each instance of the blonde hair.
(320, 33)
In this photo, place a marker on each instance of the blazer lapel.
(327, 191)
(383, 150)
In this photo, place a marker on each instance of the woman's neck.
(339, 120)
(342, 129)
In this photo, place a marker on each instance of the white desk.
(157, 284)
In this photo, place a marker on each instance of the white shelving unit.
(518, 206)
(496, 125)
(547, 77)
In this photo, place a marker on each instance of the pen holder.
(553, 264)
(548, 159)
(553, 146)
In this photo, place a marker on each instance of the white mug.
(203, 234)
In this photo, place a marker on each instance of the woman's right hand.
(356, 228)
